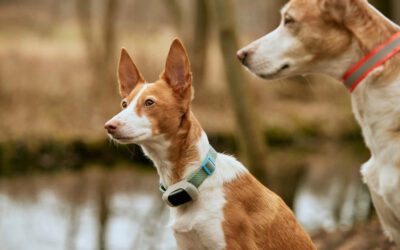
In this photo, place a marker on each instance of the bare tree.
(250, 133)
(383, 6)
(199, 25)
(100, 48)
(395, 7)
(200, 41)
(274, 16)
(103, 211)
(76, 200)
(175, 10)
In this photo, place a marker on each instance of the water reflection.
(100, 208)
(136, 220)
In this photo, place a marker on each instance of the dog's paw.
(388, 235)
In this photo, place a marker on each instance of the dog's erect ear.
(177, 71)
(128, 74)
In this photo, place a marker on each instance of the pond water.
(46, 219)
(44, 224)
(64, 211)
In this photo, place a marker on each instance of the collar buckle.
(209, 166)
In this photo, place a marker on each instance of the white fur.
(377, 109)
(276, 45)
(157, 151)
(132, 127)
(376, 106)
(271, 52)
(198, 225)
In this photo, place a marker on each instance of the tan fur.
(254, 217)
(128, 74)
(330, 37)
(328, 27)
(260, 217)
(334, 38)
(357, 20)
(171, 116)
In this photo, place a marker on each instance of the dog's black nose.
(110, 127)
(241, 55)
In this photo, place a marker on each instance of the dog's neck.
(375, 100)
(175, 156)
(369, 27)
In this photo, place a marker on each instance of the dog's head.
(151, 110)
(312, 37)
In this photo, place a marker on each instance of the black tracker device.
(178, 197)
(180, 193)
(186, 190)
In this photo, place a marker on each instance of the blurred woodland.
(64, 185)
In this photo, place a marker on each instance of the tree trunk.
(199, 44)
(85, 22)
(100, 50)
(395, 7)
(176, 14)
(76, 202)
(382, 6)
(103, 212)
(273, 13)
(109, 36)
(251, 138)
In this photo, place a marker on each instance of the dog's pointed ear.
(128, 74)
(177, 71)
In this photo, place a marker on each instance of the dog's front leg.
(390, 223)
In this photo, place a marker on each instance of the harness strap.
(371, 61)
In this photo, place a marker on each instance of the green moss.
(19, 158)
(276, 136)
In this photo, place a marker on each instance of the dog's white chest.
(377, 109)
(199, 226)
(378, 112)
(383, 179)
(201, 237)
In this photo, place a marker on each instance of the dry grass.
(46, 88)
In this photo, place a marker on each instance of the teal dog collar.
(187, 189)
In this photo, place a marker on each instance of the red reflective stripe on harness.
(387, 57)
(369, 56)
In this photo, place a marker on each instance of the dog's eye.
(124, 104)
(288, 19)
(148, 103)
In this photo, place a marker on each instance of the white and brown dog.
(350, 41)
(223, 206)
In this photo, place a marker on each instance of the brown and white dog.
(233, 210)
(329, 37)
